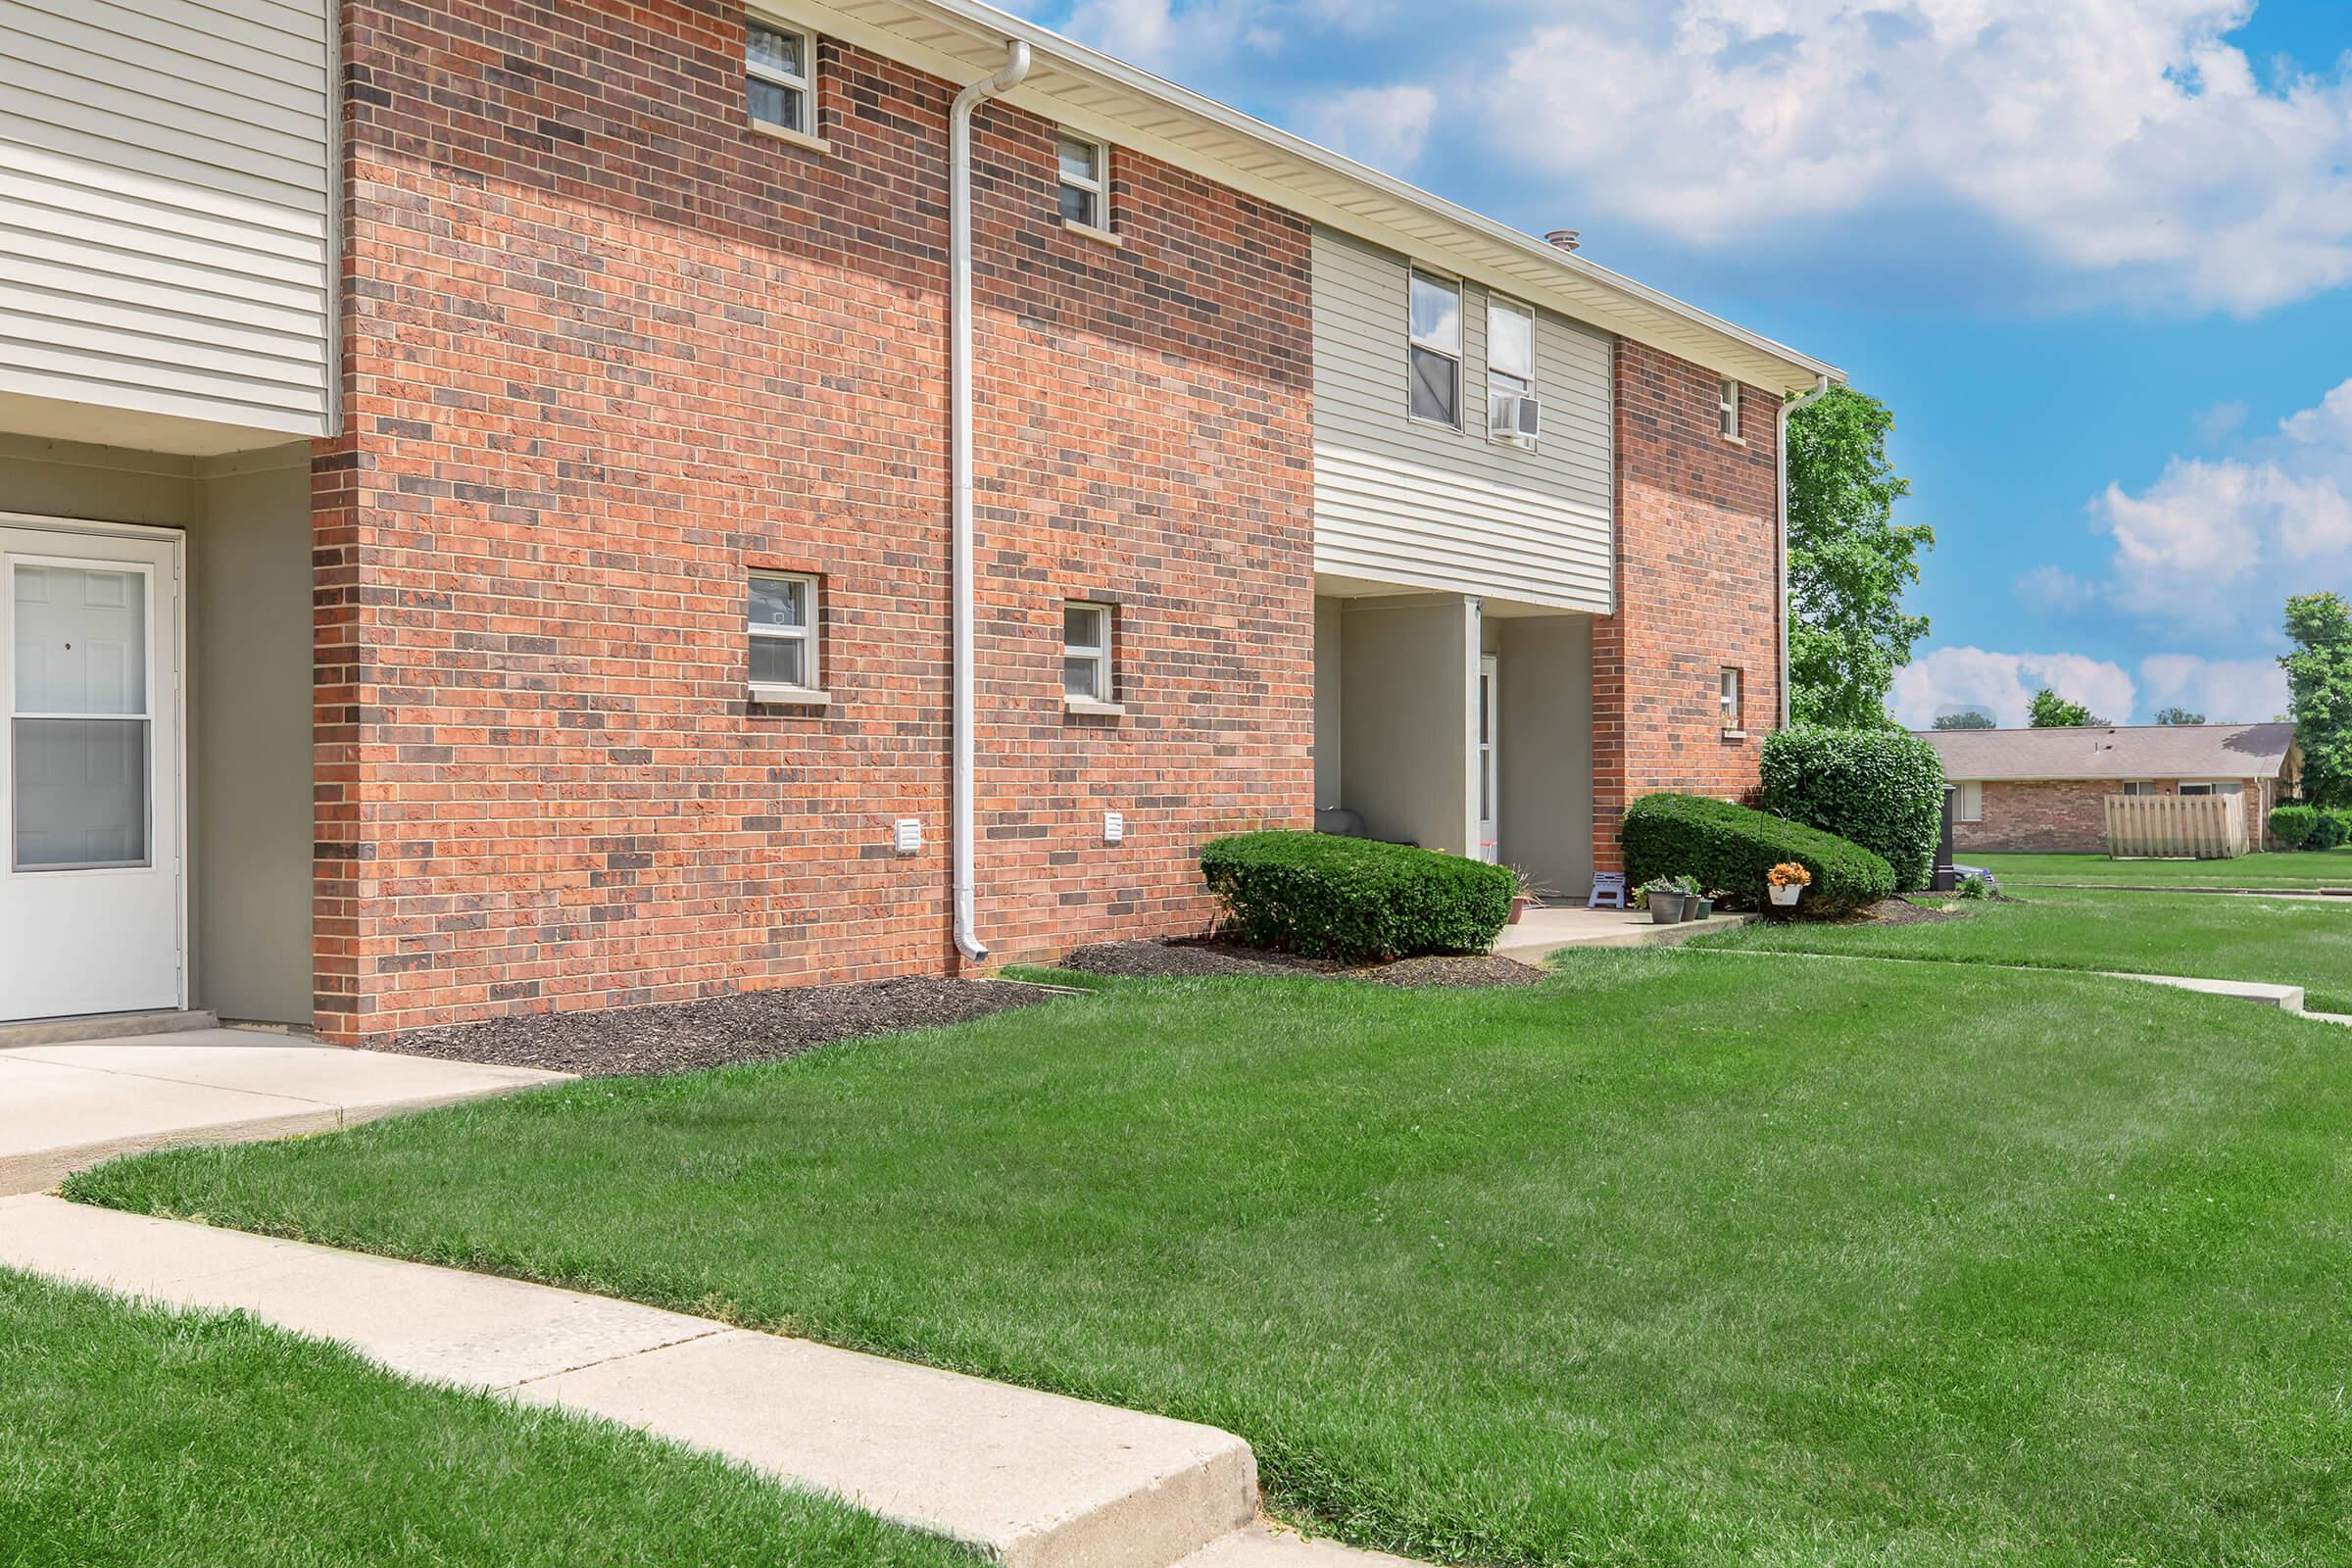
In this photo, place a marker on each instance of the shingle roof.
(2156, 751)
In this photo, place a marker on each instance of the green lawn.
(2294, 941)
(2323, 868)
(132, 1435)
(1675, 1259)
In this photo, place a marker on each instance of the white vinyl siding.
(1404, 502)
(165, 174)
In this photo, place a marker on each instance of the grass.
(1672, 1259)
(131, 1433)
(2296, 942)
(2323, 869)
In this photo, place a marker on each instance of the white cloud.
(2217, 544)
(2220, 421)
(1384, 127)
(1161, 34)
(2053, 588)
(2230, 691)
(2000, 685)
(2124, 138)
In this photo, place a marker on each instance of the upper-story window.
(1437, 350)
(1085, 171)
(1510, 370)
(783, 621)
(1726, 408)
(780, 78)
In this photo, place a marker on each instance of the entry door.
(90, 773)
(1490, 775)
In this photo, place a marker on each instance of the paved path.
(1044, 1481)
(2287, 998)
(67, 1106)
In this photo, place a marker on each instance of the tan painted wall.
(1406, 686)
(248, 605)
(1546, 736)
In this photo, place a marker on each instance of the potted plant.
(1787, 879)
(1667, 894)
(1528, 890)
(1700, 906)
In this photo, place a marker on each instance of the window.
(1510, 365)
(1086, 655)
(1968, 801)
(783, 628)
(1084, 181)
(780, 79)
(1731, 699)
(2196, 789)
(1726, 408)
(1436, 309)
(2139, 787)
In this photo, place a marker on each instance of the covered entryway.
(92, 915)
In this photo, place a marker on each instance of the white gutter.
(1789, 405)
(960, 407)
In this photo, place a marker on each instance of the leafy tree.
(1971, 720)
(2178, 715)
(2049, 710)
(2319, 680)
(1850, 562)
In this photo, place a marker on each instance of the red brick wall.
(1696, 590)
(2067, 816)
(609, 348)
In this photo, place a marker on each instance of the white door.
(1490, 775)
(90, 772)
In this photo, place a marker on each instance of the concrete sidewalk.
(1043, 1481)
(71, 1105)
(1542, 932)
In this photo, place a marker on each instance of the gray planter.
(1698, 908)
(1666, 909)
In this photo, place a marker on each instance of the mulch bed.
(1902, 911)
(682, 1037)
(1151, 960)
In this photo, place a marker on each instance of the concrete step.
(2287, 998)
(102, 1026)
(1042, 1481)
(1263, 1546)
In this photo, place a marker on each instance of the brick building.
(510, 529)
(2045, 790)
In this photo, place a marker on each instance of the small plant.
(1525, 884)
(1973, 889)
(1790, 874)
(1680, 886)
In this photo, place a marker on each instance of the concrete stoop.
(1040, 1480)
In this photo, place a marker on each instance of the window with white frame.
(1510, 366)
(1085, 166)
(2139, 785)
(1726, 408)
(779, 81)
(1730, 697)
(1086, 652)
(1435, 354)
(2196, 789)
(783, 633)
(1968, 801)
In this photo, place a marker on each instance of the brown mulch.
(1151, 960)
(1902, 911)
(686, 1036)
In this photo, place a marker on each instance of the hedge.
(2294, 825)
(1354, 900)
(1881, 788)
(1729, 849)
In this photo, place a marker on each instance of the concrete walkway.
(1540, 933)
(71, 1105)
(1044, 1481)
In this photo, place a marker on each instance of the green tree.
(2049, 710)
(2318, 681)
(1850, 562)
(1971, 720)
(2178, 715)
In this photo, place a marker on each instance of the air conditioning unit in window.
(1517, 417)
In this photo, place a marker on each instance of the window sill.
(1100, 237)
(797, 138)
(1734, 440)
(1734, 734)
(789, 696)
(1094, 707)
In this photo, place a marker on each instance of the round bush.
(2294, 825)
(1731, 850)
(1881, 788)
(2330, 827)
(1352, 899)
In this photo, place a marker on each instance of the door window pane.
(80, 793)
(81, 640)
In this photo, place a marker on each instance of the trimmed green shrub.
(1731, 850)
(2294, 825)
(1881, 788)
(2330, 828)
(1355, 900)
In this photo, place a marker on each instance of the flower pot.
(1698, 908)
(1785, 898)
(1518, 909)
(1666, 909)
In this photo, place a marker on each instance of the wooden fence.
(2178, 827)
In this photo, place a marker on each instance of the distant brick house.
(2045, 790)
(480, 508)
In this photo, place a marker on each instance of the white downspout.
(1789, 405)
(959, 415)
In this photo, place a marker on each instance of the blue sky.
(2096, 255)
